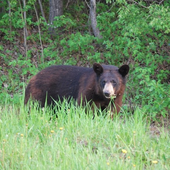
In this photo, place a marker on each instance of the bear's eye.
(113, 82)
(103, 82)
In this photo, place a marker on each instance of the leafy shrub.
(138, 36)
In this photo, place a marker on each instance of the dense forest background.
(134, 32)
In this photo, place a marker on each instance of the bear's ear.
(123, 70)
(98, 69)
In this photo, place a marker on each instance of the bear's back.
(58, 81)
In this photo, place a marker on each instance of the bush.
(135, 34)
(140, 36)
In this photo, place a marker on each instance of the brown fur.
(80, 83)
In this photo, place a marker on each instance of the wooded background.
(35, 34)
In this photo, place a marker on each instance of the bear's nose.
(107, 94)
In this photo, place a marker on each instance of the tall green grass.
(32, 138)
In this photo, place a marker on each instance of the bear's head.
(110, 78)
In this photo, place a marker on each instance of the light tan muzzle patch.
(109, 91)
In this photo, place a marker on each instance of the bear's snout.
(108, 90)
(107, 94)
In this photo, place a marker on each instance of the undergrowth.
(132, 33)
(33, 138)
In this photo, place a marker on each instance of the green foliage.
(64, 22)
(161, 19)
(78, 44)
(134, 33)
(151, 94)
(136, 36)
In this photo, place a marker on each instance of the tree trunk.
(96, 31)
(42, 11)
(56, 9)
(2, 9)
(10, 25)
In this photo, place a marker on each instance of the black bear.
(102, 85)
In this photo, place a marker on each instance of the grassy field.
(32, 139)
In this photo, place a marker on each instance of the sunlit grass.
(32, 138)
